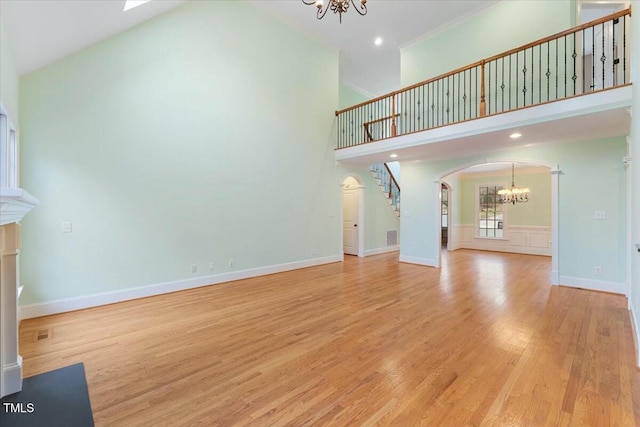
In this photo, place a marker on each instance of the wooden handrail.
(392, 177)
(365, 125)
(491, 58)
(381, 119)
(561, 34)
(431, 80)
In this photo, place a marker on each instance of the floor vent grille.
(392, 237)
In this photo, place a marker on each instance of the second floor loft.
(573, 65)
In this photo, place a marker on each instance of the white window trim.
(9, 152)
(476, 213)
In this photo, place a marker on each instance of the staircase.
(388, 185)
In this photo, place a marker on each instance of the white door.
(350, 230)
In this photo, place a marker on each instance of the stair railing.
(588, 58)
(388, 183)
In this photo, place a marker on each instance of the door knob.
(355, 225)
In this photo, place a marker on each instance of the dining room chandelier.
(337, 6)
(514, 194)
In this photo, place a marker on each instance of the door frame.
(361, 217)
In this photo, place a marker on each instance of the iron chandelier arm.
(363, 6)
(321, 9)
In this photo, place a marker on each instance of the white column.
(555, 222)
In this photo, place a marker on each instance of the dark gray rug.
(55, 398)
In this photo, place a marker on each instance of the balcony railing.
(585, 59)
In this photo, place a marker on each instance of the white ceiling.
(43, 31)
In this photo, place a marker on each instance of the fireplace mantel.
(15, 203)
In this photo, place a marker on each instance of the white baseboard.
(384, 250)
(635, 330)
(79, 303)
(429, 262)
(593, 285)
(12, 378)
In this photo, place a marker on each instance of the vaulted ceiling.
(43, 31)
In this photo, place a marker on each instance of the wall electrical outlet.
(66, 227)
(194, 268)
(600, 215)
(231, 263)
(597, 270)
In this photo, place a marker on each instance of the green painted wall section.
(9, 78)
(195, 137)
(503, 26)
(379, 218)
(536, 212)
(593, 178)
(349, 97)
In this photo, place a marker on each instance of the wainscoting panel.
(533, 240)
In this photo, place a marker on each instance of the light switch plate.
(66, 227)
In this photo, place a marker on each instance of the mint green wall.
(505, 25)
(536, 212)
(9, 79)
(593, 178)
(349, 97)
(202, 135)
(379, 218)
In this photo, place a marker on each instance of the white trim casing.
(79, 303)
(429, 262)
(635, 329)
(384, 250)
(593, 285)
(521, 239)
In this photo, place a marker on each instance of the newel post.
(483, 107)
(393, 115)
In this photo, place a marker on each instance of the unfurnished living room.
(319, 212)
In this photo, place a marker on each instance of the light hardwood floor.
(483, 341)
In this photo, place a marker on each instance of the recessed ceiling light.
(378, 41)
(393, 156)
(130, 4)
(515, 135)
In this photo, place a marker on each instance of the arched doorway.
(457, 232)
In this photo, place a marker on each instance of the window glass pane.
(491, 219)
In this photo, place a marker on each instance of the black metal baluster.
(517, 83)
(524, 78)
(575, 70)
(624, 49)
(454, 101)
(593, 58)
(603, 59)
(448, 105)
(557, 71)
(488, 73)
(613, 51)
(502, 85)
(532, 73)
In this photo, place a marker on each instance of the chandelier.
(514, 194)
(337, 6)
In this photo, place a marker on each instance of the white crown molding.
(15, 203)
